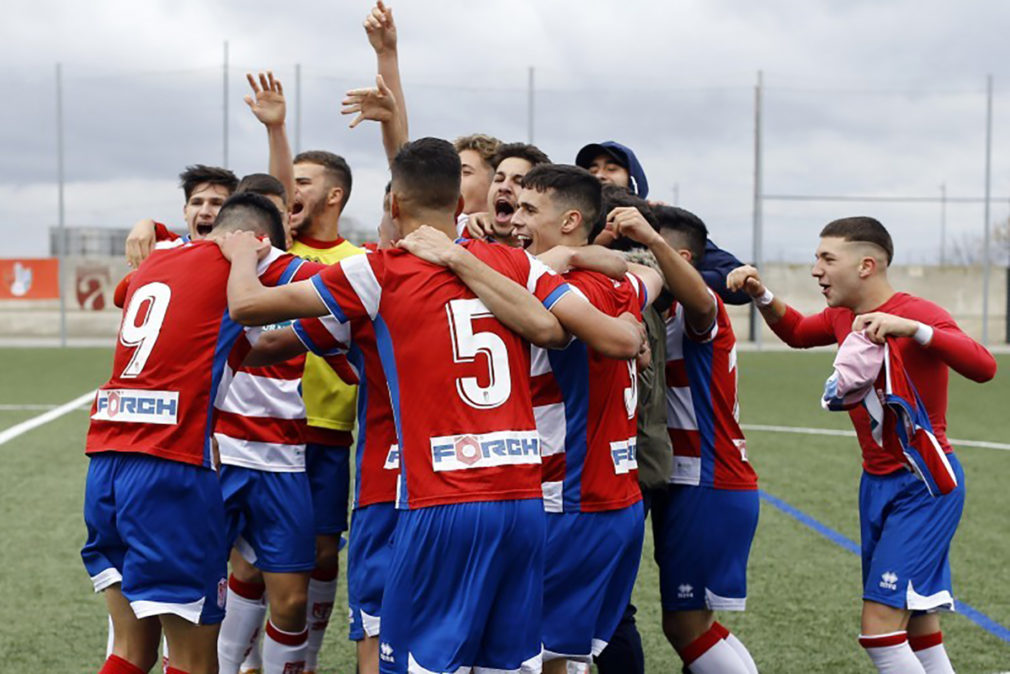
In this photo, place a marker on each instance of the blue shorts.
(703, 538)
(906, 535)
(328, 468)
(269, 517)
(590, 569)
(157, 526)
(369, 552)
(465, 589)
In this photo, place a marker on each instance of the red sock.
(925, 641)
(325, 575)
(251, 591)
(700, 646)
(118, 665)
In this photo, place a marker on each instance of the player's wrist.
(923, 334)
(763, 298)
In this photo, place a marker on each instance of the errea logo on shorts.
(386, 652)
(129, 405)
(623, 454)
(685, 591)
(501, 448)
(889, 580)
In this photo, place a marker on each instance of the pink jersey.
(709, 449)
(174, 341)
(458, 379)
(586, 410)
(377, 462)
(260, 415)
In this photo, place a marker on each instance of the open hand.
(268, 104)
(429, 244)
(376, 104)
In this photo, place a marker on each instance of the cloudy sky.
(861, 98)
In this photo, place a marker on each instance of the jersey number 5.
(466, 344)
(155, 296)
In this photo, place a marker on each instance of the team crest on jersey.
(889, 580)
(624, 456)
(129, 405)
(459, 452)
(392, 458)
(386, 652)
(222, 592)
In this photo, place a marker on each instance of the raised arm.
(381, 31)
(511, 303)
(252, 303)
(377, 104)
(683, 280)
(267, 103)
(792, 327)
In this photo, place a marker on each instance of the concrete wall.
(91, 281)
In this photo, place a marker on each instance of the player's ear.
(335, 196)
(394, 206)
(867, 266)
(570, 221)
(686, 254)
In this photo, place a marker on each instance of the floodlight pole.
(529, 106)
(61, 221)
(943, 224)
(298, 108)
(224, 99)
(758, 243)
(988, 184)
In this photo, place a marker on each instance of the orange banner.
(30, 279)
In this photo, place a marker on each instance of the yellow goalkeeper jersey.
(329, 402)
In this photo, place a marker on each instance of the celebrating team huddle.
(532, 359)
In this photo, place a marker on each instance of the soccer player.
(476, 152)
(905, 532)
(206, 188)
(470, 474)
(585, 405)
(511, 162)
(704, 523)
(616, 164)
(160, 558)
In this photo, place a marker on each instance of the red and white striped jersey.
(458, 379)
(586, 409)
(377, 453)
(174, 341)
(702, 410)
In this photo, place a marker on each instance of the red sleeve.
(959, 351)
(119, 296)
(163, 233)
(347, 299)
(803, 332)
(342, 367)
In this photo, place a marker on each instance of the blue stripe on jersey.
(357, 359)
(384, 344)
(303, 335)
(227, 333)
(571, 370)
(698, 362)
(328, 299)
(290, 271)
(556, 295)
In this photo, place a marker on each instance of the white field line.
(55, 413)
(803, 430)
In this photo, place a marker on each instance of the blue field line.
(972, 614)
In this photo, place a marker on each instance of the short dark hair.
(568, 187)
(198, 174)
(861, 229)
(531, 153)
(426, 174)
(615, 196)
(262, 183)
(254, 212)
(335, 165)
(688, 226)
